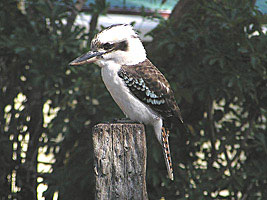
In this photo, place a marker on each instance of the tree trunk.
(177, 14)
(101, 5)
(27, 172)
(120, 161)
(180, 9)
(75, 11)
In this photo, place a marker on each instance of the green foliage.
(36, 45)
(215, 63)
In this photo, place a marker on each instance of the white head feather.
(132, 54)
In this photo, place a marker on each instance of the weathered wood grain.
(120, 161)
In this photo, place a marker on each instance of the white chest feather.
(129, 104)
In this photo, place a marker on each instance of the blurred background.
(214, 54)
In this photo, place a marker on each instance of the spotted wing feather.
(149, 85)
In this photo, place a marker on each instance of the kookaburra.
(136, 85)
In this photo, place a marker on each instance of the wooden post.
(120, 161)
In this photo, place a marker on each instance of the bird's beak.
(89, 57)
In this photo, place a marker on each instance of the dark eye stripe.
(123, 46)
(107, 46)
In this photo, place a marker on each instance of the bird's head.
(119, 44)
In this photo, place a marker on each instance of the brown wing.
(149, 85)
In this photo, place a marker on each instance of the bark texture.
(120, 161)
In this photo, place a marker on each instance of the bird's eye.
(107, 46)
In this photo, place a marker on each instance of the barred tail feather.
(166, 151)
